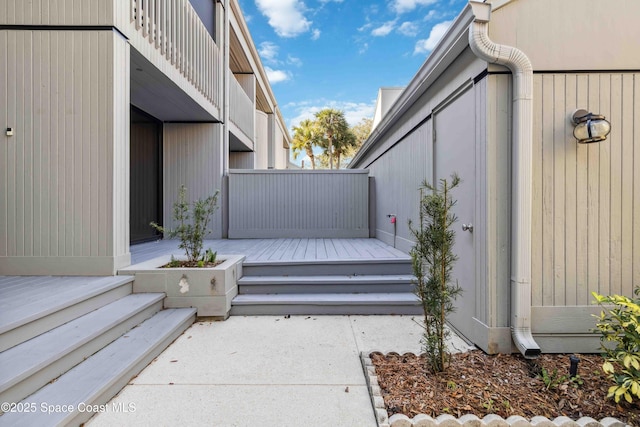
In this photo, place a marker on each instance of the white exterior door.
(454, 152)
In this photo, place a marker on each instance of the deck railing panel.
(298, 203)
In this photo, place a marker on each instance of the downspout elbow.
(521, 187)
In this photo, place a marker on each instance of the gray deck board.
(301, 250)
(45, 357)
(340, 249)
(331, 249)
(101, 376)
(42, 296)
(321, 251)
(279, 250)
(30, 290)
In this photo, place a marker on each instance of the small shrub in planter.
(619, 327)
(192, 229)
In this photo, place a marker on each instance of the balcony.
(170, 36)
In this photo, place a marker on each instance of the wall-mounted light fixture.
(589, 127)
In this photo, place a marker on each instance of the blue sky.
(337, 53)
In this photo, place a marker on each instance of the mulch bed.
(191, 264)
(479, 384)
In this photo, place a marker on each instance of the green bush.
(433, 260)
(192, 231)
(619, 327)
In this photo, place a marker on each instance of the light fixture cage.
(589, 127)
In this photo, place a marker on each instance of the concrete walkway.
(264, 371)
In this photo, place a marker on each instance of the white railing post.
(152, 18)
(144, 11)
(133, 5)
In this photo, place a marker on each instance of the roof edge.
(452, 44)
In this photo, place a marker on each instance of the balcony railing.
(241, 109)
(175, 30)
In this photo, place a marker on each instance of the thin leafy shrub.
(432, 261)
(193, 221)
(619, 327)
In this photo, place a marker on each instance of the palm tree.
(305, 137)
(361, 131)
(337, 134)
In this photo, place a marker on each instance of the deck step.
(30, 306)
(100, 377)
(36, 362)
(326, 303)
(387, 283)
(328, 267)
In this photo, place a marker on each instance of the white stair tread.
(327, 299)
(37, 353)
(89, 381)
(327, 279)
(38, 298)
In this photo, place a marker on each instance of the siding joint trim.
(63, 28)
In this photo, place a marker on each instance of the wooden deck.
(280, 250)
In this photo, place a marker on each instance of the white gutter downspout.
(522, 140)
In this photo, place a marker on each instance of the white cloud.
(409, 29)
(403, 6)
(365, 27)
(427, 45)
(315, 34)
(354, 112)
(363, 48)
(277, 76)
(268, 51)
(292, 60)
(432, 14)
(384, 29)
(285, 16)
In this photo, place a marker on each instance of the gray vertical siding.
(494, 194)
(241, 109)
(261, 157)
(59, 12)
(398, 175)
(586, 197)
(65, 172)
(275, 204)
(192, 157)
(241, 160)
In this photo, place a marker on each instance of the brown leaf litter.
(506, 385)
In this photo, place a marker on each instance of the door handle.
(467, 227)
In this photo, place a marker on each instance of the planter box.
(210, 290)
